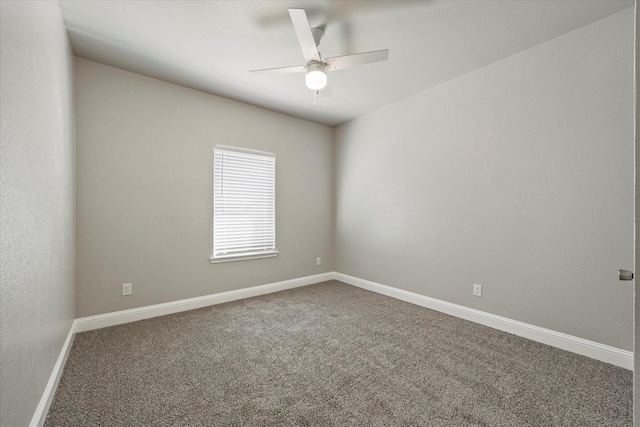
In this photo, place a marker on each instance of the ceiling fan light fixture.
(316, 77)
(315, 67)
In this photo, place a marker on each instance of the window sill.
(243, 257)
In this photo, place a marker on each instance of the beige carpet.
(329, 355)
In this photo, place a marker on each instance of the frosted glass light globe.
(316, 77)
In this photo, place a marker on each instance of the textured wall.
(518, 176)
(636, 361)
(37, 291)
(145, 191)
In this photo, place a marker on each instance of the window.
(243, 204)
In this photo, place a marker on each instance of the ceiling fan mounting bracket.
(317, 33)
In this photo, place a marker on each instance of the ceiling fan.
(317, 68)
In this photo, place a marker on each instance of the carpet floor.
(329, 354)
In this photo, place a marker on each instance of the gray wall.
(144, 202)
(37, 243)
(518, 176)
(636, 361)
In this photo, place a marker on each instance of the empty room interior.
(389, 213)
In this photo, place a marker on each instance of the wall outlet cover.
(477, 290)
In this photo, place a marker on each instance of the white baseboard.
(40, 414)
(126, 316)
(592, 349)
(602, 352)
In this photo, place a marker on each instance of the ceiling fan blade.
(303, 31)
(347, 61)
(292, 69)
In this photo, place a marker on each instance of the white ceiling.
(212, 45)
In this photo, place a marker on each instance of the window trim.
(249, 255)
(231, 258)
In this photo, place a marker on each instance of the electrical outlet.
(127, 289)
(318, 261)
(477, 290)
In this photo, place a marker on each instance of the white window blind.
(243, 204)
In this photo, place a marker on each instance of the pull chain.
(315, 96)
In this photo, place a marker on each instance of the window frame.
(243, 255)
